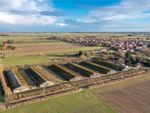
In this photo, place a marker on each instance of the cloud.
(62, 24)
(42, 15)
(27, 12)
(122, 16)
(26, 5)
(125, 10)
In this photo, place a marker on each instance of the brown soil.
(134, 99)
(36, 49)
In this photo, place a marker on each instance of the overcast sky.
(74, 15)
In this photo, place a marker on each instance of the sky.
(74, 15)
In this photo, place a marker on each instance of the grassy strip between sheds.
(109, 64)
(81, 70)
(82, 102)
(95, 67)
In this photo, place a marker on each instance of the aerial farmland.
(74, 56)
(50, 67)
(34, 49)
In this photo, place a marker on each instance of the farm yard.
(86, 101)
(20, 79)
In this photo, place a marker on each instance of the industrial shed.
(38, 80)
(96, 67)
(110, 65)
(64, 73)
(29, 81)
(23, 85)
(43, 74)
(82, 70)
(15, 81)
(5, 86)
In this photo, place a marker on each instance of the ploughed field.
(129, 98)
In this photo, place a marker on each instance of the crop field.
(127, 97)
(37, 50)
(82, 102)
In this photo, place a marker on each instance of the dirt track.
(134, 99)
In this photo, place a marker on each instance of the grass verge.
(82, 102)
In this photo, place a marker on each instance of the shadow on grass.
(1, 94)
(62, 55)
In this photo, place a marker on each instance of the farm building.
(52, 76)
(96, 67)
(5, 86)
(109, 64)
(22, 83)
(10, 79)
(82, 70)
(29, 81)
(15, 81)
(38, 79)
(43, 74)
(64, 73)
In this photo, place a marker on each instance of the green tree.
(128, 58)
(148, 45)
(81, 53)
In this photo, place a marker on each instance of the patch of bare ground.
(134, 98)
(27, 49)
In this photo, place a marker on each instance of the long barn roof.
(20, 79)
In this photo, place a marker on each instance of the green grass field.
(82, 102)
(44, 58)
(35, 51)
